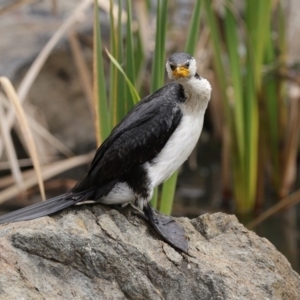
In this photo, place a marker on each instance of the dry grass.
(8, 113)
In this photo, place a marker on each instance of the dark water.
(282, 230)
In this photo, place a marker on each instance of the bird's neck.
(197, 91)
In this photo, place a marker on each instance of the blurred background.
(77, 67)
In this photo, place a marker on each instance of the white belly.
(177, 150)
(120, 193)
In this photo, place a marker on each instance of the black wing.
(138, 138)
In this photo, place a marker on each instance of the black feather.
(137, 139)
(38, 210)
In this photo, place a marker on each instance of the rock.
(94, 252)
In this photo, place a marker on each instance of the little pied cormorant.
(143, 150)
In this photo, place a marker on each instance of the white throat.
(197, 92)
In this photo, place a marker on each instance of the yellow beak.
(181, 72)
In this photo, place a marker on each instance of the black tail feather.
(39, 209)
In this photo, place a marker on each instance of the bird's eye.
(172, 67)
(187, 64)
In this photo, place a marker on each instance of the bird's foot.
(167, 228)
(139, 212)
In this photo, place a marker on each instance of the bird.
(148, 145)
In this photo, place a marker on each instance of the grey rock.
(94, 252)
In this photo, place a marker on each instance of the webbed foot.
(167, 228)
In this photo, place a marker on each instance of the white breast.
(186, 135)
(177, 150)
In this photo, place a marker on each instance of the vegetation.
(249, 66)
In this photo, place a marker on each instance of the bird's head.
(181, 65)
